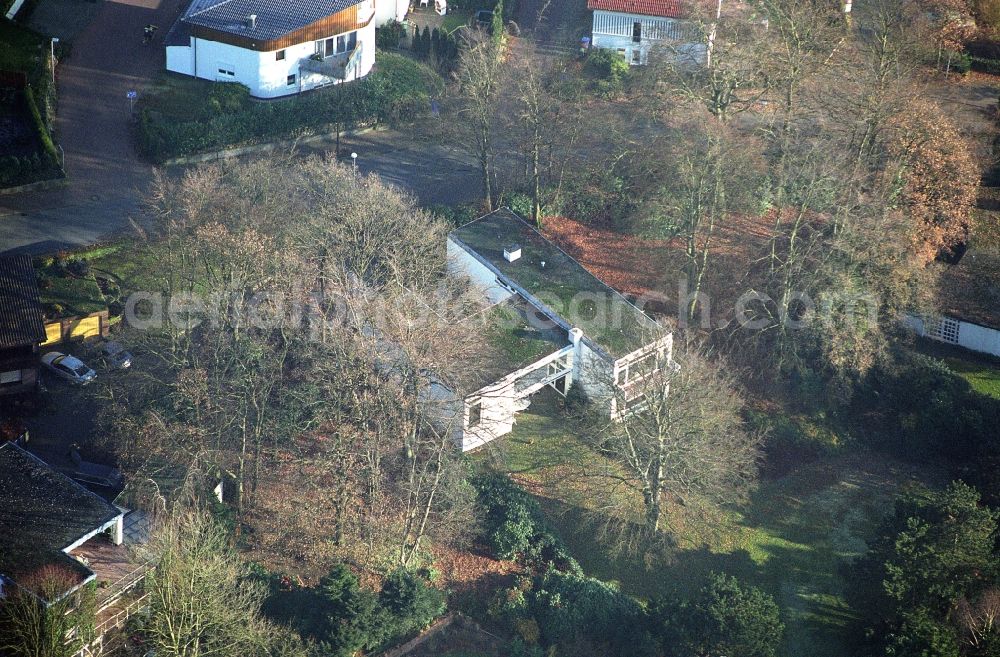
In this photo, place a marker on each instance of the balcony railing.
(334, 66)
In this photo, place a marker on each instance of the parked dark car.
(114, 355)
(93, 473)
(483, 19)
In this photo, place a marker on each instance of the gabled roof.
(42, 512)
(548, 277)
(663, 8)
(275, 18)
(20, 309)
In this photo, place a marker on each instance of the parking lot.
(64, 414)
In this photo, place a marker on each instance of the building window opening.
(475, 414)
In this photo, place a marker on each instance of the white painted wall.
(462, 263)
(262, 72)
(502, 400)
(14, 8)
(390, 10)
(970, 336)
(180, 59)
(613, 30)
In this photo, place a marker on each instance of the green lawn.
(133, 265)
(454, 20)
(792, 540)
(65, 295)
(981, 371)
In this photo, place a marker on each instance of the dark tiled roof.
(41, 513)
(20, 310)
(970, 290)
(275, 18)
(664, 8)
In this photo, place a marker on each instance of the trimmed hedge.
(40, 125)
(398, 89)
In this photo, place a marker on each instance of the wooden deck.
(109, 562)
(116, 570)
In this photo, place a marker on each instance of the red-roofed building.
(635, 27)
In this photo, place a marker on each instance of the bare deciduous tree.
(201, 602)
(680, 439)
(482, 75)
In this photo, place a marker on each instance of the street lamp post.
(354, 163)
(52, 56)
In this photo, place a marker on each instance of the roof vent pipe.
(252, 21)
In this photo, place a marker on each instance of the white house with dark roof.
(634, 28)
(275, 47)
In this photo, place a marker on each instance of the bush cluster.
(722, 618)
(456, 215)
(389, 35)
(915, 407)
(575, 614)
(515, 529)
(399, 89)
(341, 618)
(570, 607)
(436, 46)
(609, 69)
(14, 169)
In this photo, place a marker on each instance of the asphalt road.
(106, 178)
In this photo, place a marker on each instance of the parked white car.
(68, 367)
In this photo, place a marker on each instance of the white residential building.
(636, 27)
(276, 47)
(568, 328)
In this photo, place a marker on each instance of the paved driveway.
(105, 176)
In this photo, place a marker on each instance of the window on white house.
(475, 414)
(228, 72)
(636, 56)
(290, 81)
(636, 32)
(280, 55)
(336, 45)
(326, 47)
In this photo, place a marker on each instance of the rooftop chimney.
(252, 21)
(512, 252)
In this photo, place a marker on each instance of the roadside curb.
(261, 148)
(40, 186)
